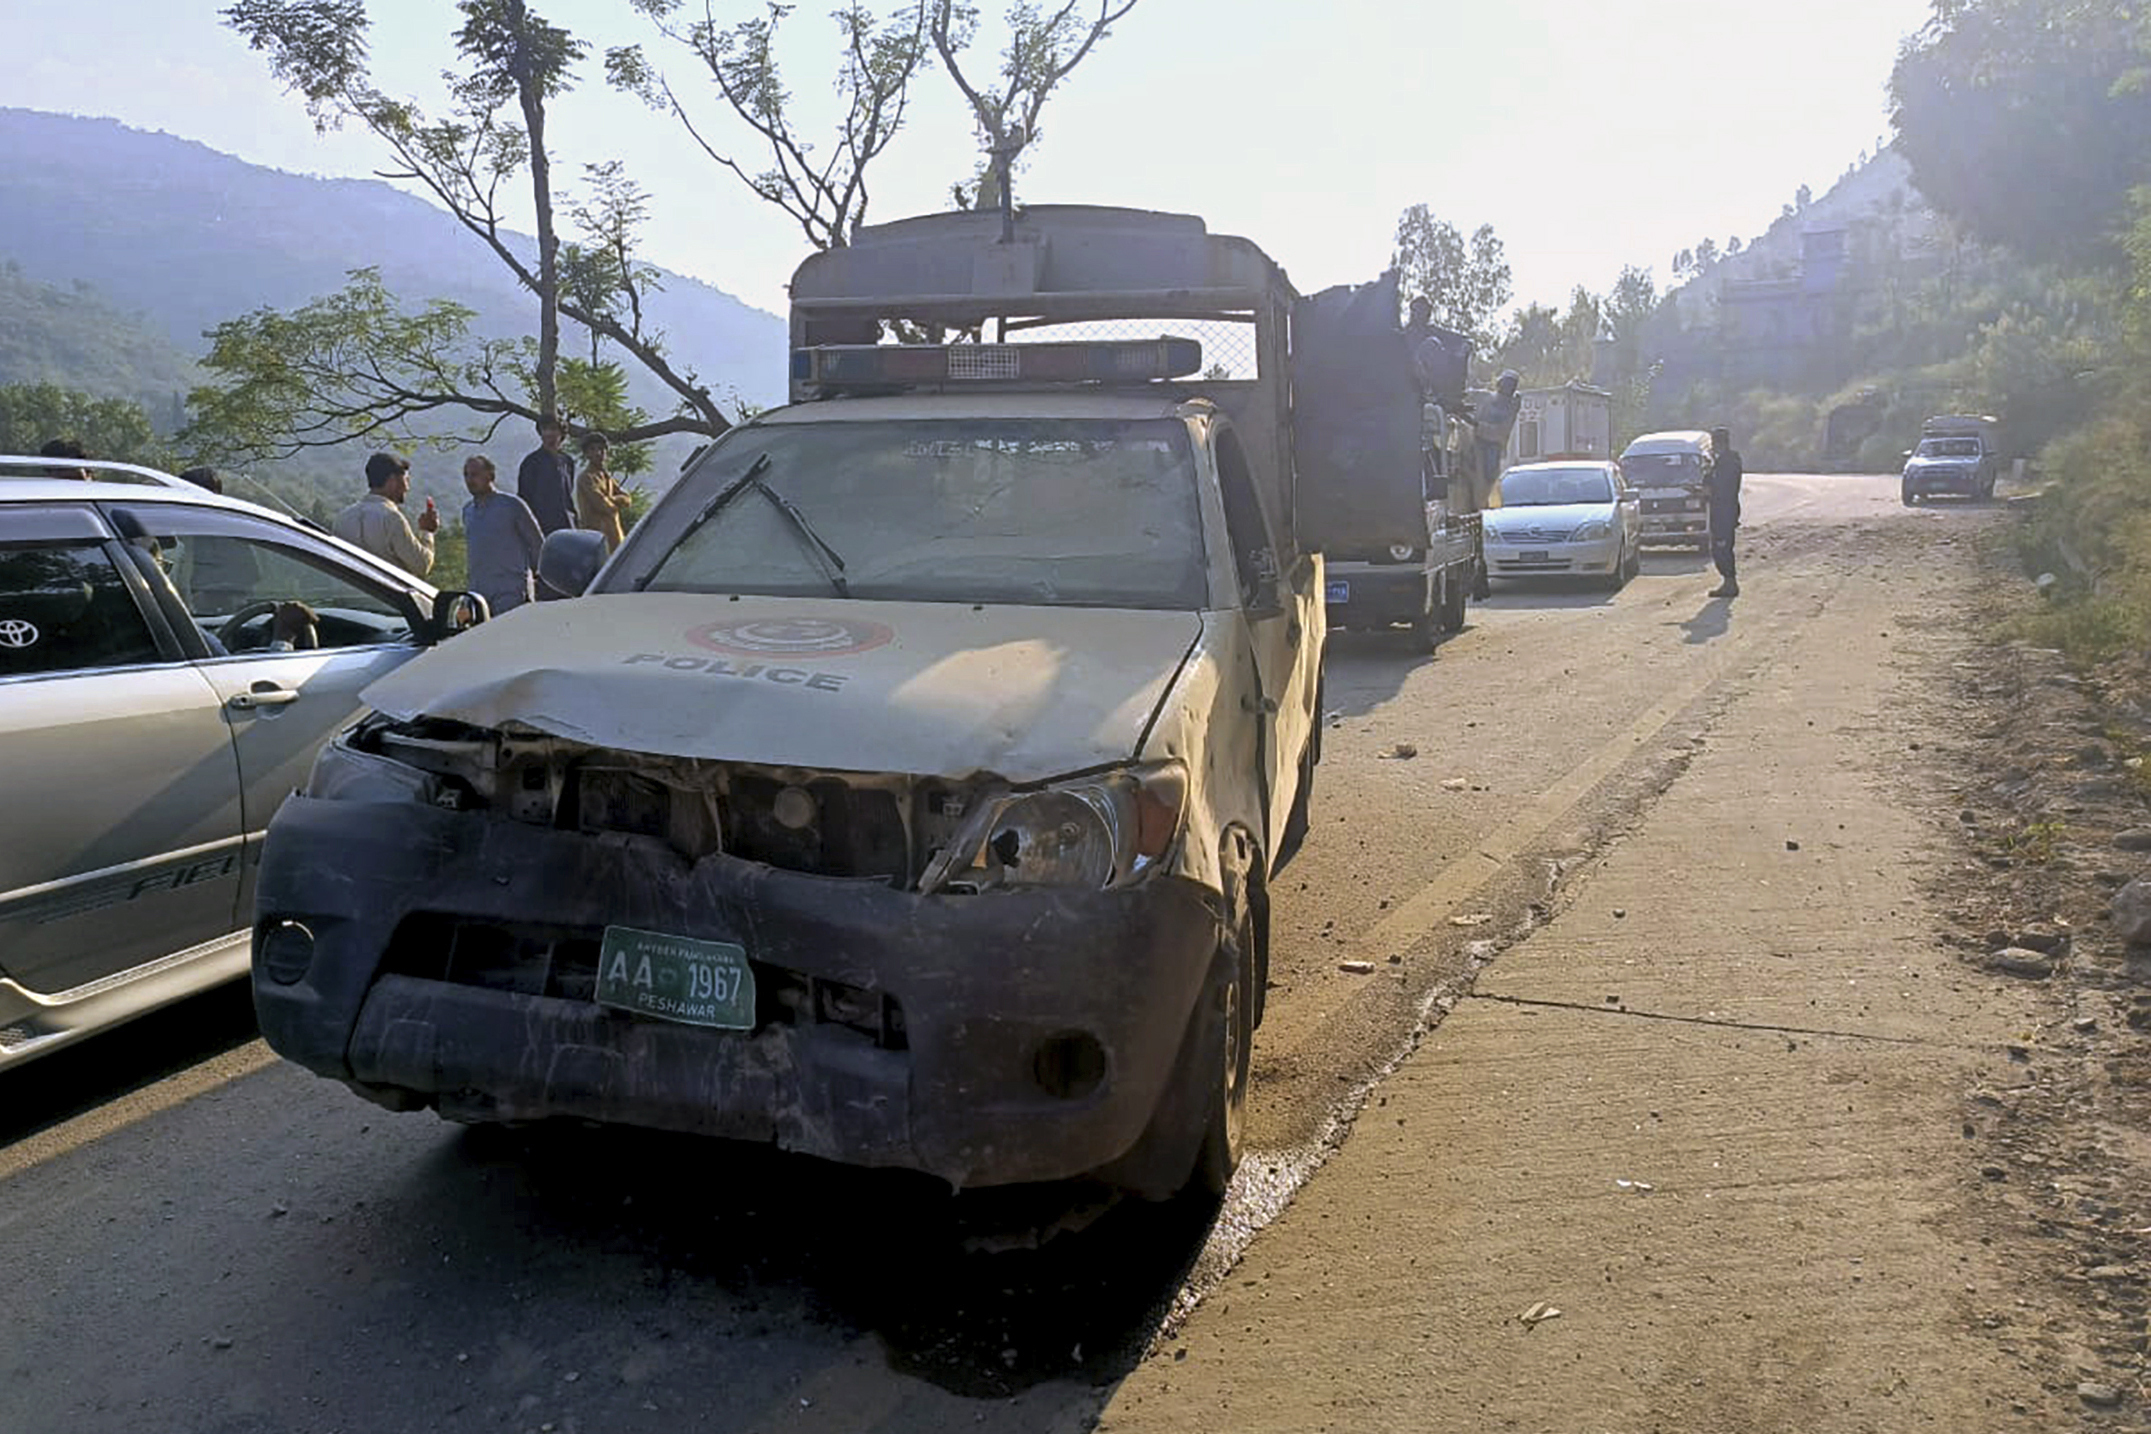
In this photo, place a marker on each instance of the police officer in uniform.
(1726, 471)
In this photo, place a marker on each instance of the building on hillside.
(1572, 421)
(1770, 327)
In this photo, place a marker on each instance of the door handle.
(264, 694)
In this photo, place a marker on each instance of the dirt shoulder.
(1750, 1111)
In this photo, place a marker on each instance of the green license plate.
(676, 978)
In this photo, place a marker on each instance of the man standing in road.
(504, 538)
(1726, 471)
(546, 480)
(376, 522)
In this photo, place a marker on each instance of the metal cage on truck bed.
(1072, 272)
(1318, 387)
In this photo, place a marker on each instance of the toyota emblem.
(14, 632)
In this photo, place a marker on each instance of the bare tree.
(825, 194)
(515, 62)
(1042, 50)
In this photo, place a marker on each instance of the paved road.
(202, 1239)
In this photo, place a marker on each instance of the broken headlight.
(343, 773)
(1097, 832)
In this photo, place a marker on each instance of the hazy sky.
(1589, 133)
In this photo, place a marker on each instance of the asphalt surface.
(202, 1239)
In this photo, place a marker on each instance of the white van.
(1672, 473)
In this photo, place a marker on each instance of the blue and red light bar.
(915, 365)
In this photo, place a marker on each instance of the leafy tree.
(825, 194)
(593, 398)
(514, 63)
(1040, 52)
(1802, 198)
(1706, 256)
(350, 365)
(2026, 120)
(1633, 297)
(1467, 284)
(31, 414)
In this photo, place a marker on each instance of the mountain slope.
(190, 237)
(71, 336)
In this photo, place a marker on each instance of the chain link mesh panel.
(1228, 348)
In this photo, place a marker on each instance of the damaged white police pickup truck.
(905, 790)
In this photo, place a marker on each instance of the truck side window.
(1253, 556)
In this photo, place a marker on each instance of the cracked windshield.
(1097, 717)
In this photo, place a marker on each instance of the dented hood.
(925, 689)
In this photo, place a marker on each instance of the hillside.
(73, 336)
(187, 237)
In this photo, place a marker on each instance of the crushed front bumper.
(1036, 1034)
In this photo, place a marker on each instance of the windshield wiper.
(832, 562)
(710, 510)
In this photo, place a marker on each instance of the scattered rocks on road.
(1400, 752)
(1356, 968)
(2046, 939)
(2019, 961)
(2132, 913)
(2099, 1396)
(2134, 839)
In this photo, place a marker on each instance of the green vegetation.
(2035, 841)
(33, 413)
(1466, 285)
(2056, 95)
(75, 338)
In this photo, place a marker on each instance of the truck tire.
(1193, 1140)
(1911, 499)
(1227, 1036)
(1455, 593)
(1427, 622)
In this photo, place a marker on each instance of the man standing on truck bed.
(1726, 471)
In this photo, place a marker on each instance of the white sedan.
(1572, 517)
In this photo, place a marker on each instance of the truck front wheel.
(1227, 1039)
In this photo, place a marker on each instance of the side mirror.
(570, 559)
(455, 610)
